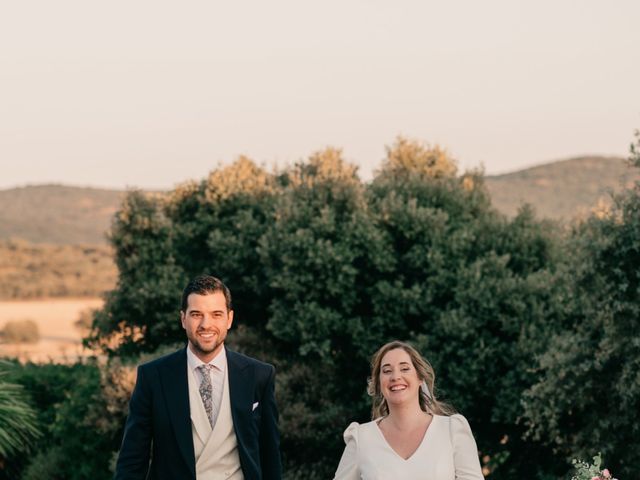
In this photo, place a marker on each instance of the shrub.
(21, 331)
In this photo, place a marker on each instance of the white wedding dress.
(447, 452)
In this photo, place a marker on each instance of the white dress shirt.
(217, 373)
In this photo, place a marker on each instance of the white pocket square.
(255, 405)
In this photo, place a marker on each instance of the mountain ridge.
(68, 215)
(564, 189)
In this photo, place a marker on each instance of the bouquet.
(585, 471)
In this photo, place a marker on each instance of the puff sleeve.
(465, 451)
(349, 469)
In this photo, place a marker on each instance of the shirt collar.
(219, 361)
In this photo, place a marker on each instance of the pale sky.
(153, 93)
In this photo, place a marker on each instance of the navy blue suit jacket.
(158, 441)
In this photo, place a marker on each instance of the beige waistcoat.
(216, 449)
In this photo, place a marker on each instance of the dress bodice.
(447, 452)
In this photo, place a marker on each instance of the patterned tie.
(206, 391)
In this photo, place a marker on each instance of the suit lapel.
(240, 395)
(175, 387)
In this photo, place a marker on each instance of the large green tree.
(325, 268)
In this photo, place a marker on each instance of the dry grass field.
(60, 339)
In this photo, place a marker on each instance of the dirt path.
(60, 340)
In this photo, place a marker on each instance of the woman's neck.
(403, 416)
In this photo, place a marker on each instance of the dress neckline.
(388, 445)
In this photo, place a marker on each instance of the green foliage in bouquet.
(594, 471)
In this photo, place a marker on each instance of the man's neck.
(206, 357)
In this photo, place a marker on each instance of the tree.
(588, 393)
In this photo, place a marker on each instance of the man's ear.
(230, 319)
(182, 317)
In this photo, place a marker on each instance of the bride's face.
(399, 382)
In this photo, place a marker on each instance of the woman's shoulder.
(459, 421)
(459, 427)
(455, 423)
(355, 429)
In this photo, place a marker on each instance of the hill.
(57, 214)
(564, 189)
(42, 271)
(64, 215)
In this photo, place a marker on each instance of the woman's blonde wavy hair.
(379, 407)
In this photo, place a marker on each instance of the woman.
(412, 435)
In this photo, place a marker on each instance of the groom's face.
(206, 322)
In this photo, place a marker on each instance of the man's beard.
(205, 350)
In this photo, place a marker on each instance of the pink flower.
(606, 473)
(596, 478)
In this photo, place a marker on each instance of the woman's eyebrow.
(388, 364)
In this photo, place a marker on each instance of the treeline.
(30, 270)
(533, 331)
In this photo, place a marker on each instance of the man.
(203, 412)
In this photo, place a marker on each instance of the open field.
(60, 340)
